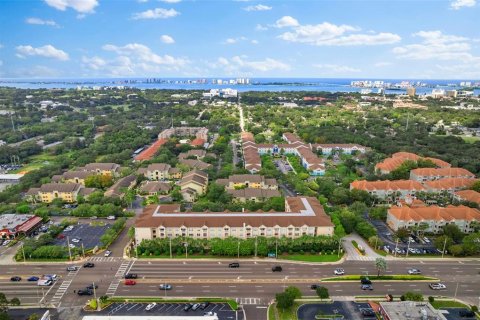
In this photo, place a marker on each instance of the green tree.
(471, 244)
(23, 208)
(15, 301)
(284, 300)
(455, 250)
(375, 242)
(402, 233)
(322, 293)
(453, 232)
(442, 241)
(34, 316)
(294, 292)
(131, 233)
(380, 265)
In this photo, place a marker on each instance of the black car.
(368, 313)
(234, 265)
(88, 265)
(277, 269)
(365, 280)
(131, 276)
(16, 278)
(204, 305)
(90, 287)
(187, 307)
(314, 286)
(466, 314)
(84, 292)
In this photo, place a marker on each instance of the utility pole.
(256, 245)
(444, 245)
(238, 249)
(456, 289)
(170, 247)
(276, 248)
(83, 251)
(186, 250)
(69, 251)
(408, 247)
(396, 246)
(23, 252)
(339, 243)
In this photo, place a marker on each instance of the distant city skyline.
(228, 39)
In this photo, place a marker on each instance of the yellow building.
(68, 192)
(111, 169)
(193, 184)
(72, 177)
(162, 171)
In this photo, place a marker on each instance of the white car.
(150, 306)
(414, 271)
(339, 271)
(437, 286)
(71, 245)
(6, 242)
(426, 240)
(75, 240)
(108, 253)
(111, 218)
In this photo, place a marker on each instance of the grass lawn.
(437, 304)
(470, 139)
(37, 161)
(312, 258)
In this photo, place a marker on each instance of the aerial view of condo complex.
(239, 160)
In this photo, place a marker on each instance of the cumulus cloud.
(436, 45)
(47, 51)
(260, 27)
(82, 6)
(329, 34)
(167, 39)
(235, 40)
(40, 21)
(286, 21)
(241, 65)
(458, 4)
(382, 64)
(171, 1)
(132, 59)
(157, 13)
(336, 68)
(258, 7)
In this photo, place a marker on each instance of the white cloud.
(1, 63)
(157, 13)
(167, 39)
(286, 21)
(258, 7)
(41, 22)
(240, 65)
(235, 40)
(142, 1)
(336, 69)
(458, 4)
(438, 46)
(328, 34)
(382, 64)
(171, 1)
(1, 46)
(47, 51)
(260, 27)
(82, 6)
(254, 41)
(133, 59)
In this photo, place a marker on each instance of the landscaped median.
(394, 277)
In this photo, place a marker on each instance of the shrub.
(431, 299)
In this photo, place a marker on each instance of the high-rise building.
(411, 91)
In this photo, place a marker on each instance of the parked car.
(76, 240)
(414, 271)
(72, 268)
(84, 292)
(204, 305)
(187, 307)
(131, 276)
(314, 286)
(130, 282)
(366, 287)
(209, 313)
(108, 253)
(368, 313)
(33, 278)
(6, 242)
(234, 265)
(90, 286)
(88, 265)
(111, 218)
(150, 306)
(165, 286)
(195, 306)
(52, 277)
(466, 314)
(277, 269)
(16, 278)
(339, 271)
(426, 240)
(437, 286)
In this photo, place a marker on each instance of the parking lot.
(283, 166)
(453, 314)
(222, 310)
(349, 310)
(87, 234)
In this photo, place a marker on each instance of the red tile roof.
(435, 213)
(148, 153)
(450, 183)
(387, 185)
(469, 195)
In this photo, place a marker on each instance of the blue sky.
(170, 38)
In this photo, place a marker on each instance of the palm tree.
(380, 265)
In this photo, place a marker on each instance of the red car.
(61, 236)
(130, 282)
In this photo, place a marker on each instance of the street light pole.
(23, 252)
(396, 246)
(256, 245)
(186, 250)
(408, 247)
(455, 296)
(170, 247)
(444, 245)
(276, 248)
(238, 249)
(83, 251)
(69, 251)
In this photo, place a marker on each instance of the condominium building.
(468, 195)
(193, 184)
(397, 159)
(427, 174)
(68, 192)
(111, 169)
(162, 171)
(449, 185)
(72, 177)
(253, 181)
(346, 148)
(435, 217)
(399, 189)
(302, 216)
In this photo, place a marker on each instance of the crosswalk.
(64, 286)
(104, 259)
(124, 267)
(360, 258)
(250, 301)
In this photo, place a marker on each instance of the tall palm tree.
(380, 265)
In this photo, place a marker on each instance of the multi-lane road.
(253, 283)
